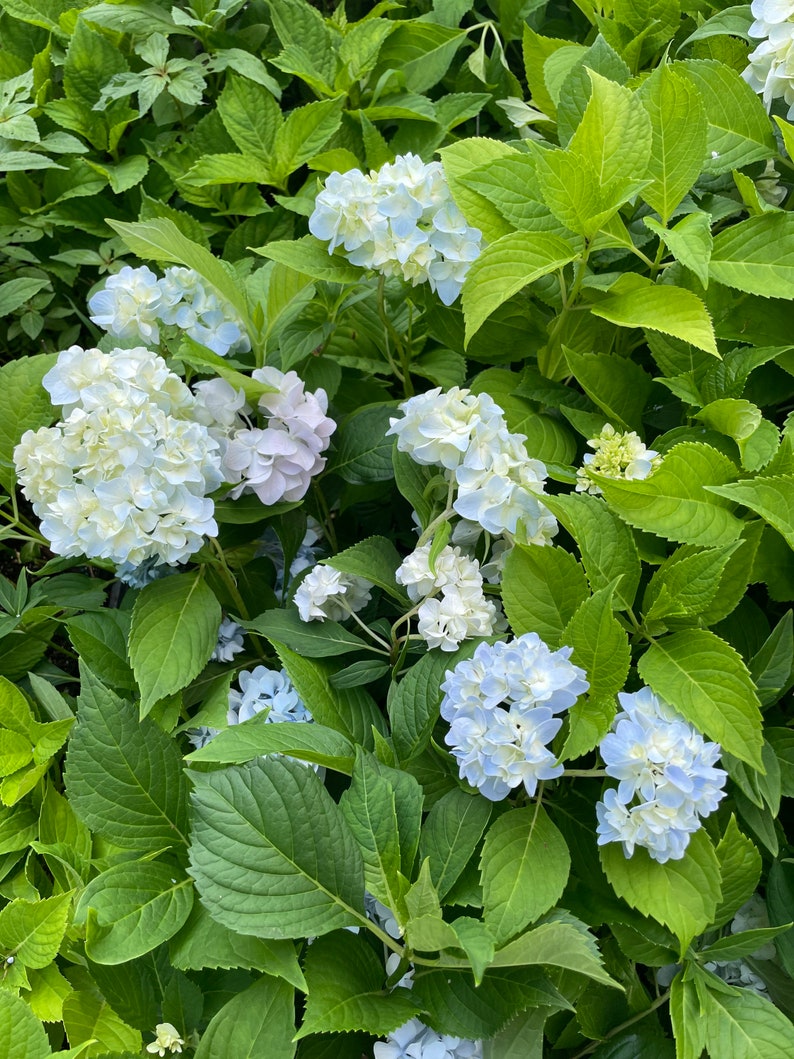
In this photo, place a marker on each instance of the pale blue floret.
(266, 689)
(501, 705)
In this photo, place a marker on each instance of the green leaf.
(298, 867)
(605, 542)
(258, 1021)
(101, 641)
(309, 257)
(570, 186)
(24, 405)
(541, 590)
(705, 679)
(658, 307)
(91, 61)
(251, 116)
(459, 159)
(744, 1025)
(132, 908)
(456, 1006)
(161, 240)
(309, 742)
(346, 990)
(780, 900)
(681, 894)
(686, 583)
(450, 835)
(771, 498)
(741, 256)
(421, 51)
(376, 560)
(305, 132)
(560, 943)
(617, 385)
(174, 631)
(15, 293)
(22, 1036)
(743, 943)
(601, 648)
(673, 503)
(88, 1017)
(124, 775)
(739, 131)
(678, 121)
(383, 808)
(228, 168)
(363, 452)
(425, 928)
(525, 866)
(203, 942)
(351, 711)
(689, 241)
(505, 267)
(511, 183)
(310, 639)
(686, 1017)
(32, 931)
(614, 134)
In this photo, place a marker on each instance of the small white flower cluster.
(461, 611)
(501, 706)
(414, 1040)
(667, 779)
(498, 484)
(400, 221)
(278, 461)
(134, 303)
(125, 475)
(328, 593)
(616, 456)
(771, 69)
(752, 915)
(168, 1040)
(230, 641)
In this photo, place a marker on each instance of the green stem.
(659, 1002)
(554, 356)
(403, 372)
(584, 772)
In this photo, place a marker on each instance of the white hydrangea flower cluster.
(771, 69)
(278, 461)
(328, 593)
(616, 455)
(400, 221)
(461, 610)
(125, 475)
(414, 1040)
(498, 483)
(134, 303)
(501, 706)
(668, 781)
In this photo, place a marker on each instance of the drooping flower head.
(328, 593)
(502, 706)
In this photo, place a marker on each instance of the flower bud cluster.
(668, 781)
(328, 593)
(134, 303)
(400, 221)
(501, 706)
(414, 1040)
(457, 608)
(616, 456)
(125, 474)
(498, 484)
(771, 69)
(278, 461)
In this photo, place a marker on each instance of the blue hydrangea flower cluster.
(501, 707)
(266, 689)
(668, 781)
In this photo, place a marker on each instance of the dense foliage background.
(633, 195)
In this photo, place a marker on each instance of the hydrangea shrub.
(396, 645)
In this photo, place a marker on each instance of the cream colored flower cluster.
(125, 474)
